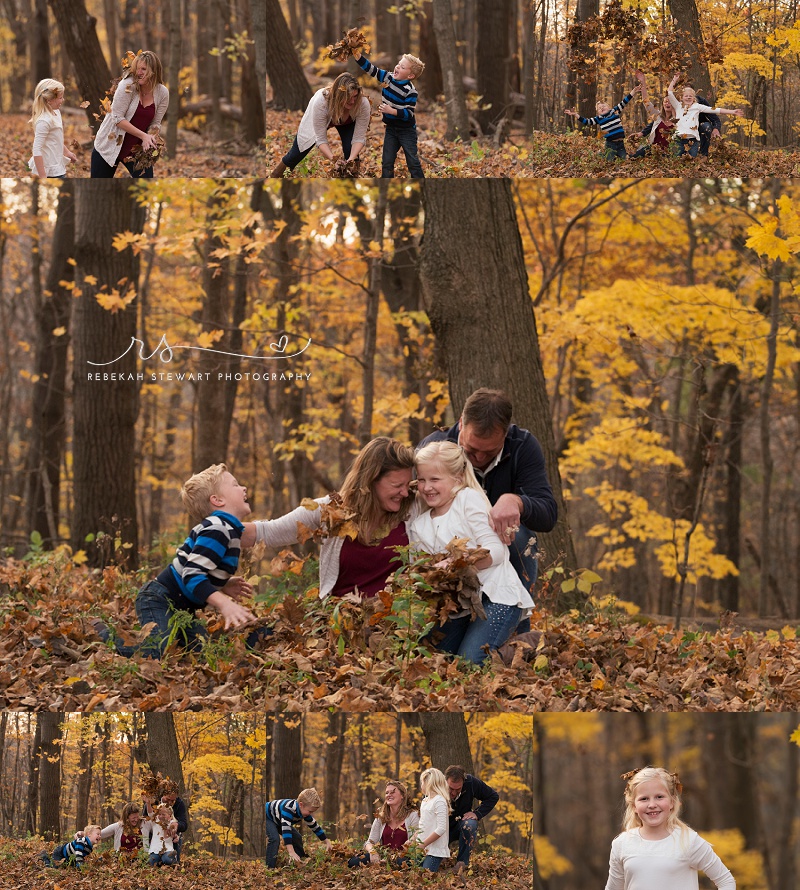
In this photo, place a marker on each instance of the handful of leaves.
(352, 40)
(336, 520)
(144, 158)
(343, 169)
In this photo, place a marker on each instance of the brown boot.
(278, 172)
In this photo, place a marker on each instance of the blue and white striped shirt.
(610, 124)
(74, 852)
(206, 560)
(400, 94)
(285, 813)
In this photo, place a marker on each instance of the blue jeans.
(465, 831)
(432, 863)
(274, 843)
(615, 148)
(154, 604)
(168, 857)
(293, 157)
(686, 146)
(464, 637)
(101, 169)
(394, 139)
(705, 129)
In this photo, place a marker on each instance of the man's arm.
(486, 795)
(539, 508)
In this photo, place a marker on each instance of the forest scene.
(499, 78)
(58, 771)
(212, 59)
(662, 387)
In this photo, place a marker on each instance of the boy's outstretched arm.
(233, 614)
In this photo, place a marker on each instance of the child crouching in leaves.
(73, 852)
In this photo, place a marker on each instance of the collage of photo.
(399, 475)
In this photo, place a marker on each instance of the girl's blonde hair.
(377, 458)
(338, 94)
(384, 814)
(670, 781)
(689, 90)
(433, 782)
(155, 73)
(46, 90)
(453, 460)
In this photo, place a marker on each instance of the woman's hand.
(148, 142)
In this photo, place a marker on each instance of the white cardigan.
(282, 532)
(313, 129)
(108, 141)
(433, 817)
(689, 118)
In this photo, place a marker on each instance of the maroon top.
(394, 838)
(368, 567)
(663, 134)
(130, 842)
(142, 118)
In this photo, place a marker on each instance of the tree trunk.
(446, 738)
(288, 755)
(48, 430)
(253, 105)
(585, 102)
(290, 88)
(104, 425)
(430, 83)
(50, 774)
(172, 73)
(476, 291)
(82, 46)
(110, 13)
(786, 823)
(83, 784)
(32, 802)
(41, 66)
(493, 62)
(334, 758)
(688, 20)
(258, 13)
(452, 74)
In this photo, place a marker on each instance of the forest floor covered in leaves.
(196, 156)
(546, 155)
(336, 654)
(21, 872)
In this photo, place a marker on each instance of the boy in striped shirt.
(283, 815)
(610, 123)
(202, 572)
(74, 852)
(399, 101)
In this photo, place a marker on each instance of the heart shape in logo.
(280, 346)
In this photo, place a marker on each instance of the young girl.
(688, 112)
(458, 508)
(660, 130)
(162, 830)
(139, 105)
(434, 813)
(48, 139)
(656, 850)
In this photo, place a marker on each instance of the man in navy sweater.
(509, 463)
(464, 790)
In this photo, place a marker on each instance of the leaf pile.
(105, 870)
(342, 169)
(341, 654)
(544, 155)
(352, 40)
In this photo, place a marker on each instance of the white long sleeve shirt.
(689, 118)
(668, 864)
(433, 818)
(48, 143)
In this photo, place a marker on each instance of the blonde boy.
(399, 97)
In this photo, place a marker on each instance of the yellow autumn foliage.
(549, 860)
(747, 866)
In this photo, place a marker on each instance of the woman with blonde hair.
(393, 828)
(341, 105)
(48, 129)
(139, 105)
(377, 490)
(657, 850)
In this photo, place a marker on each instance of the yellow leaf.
(90, 279)
(540, 663)
(208, 338)
(59, 332)
(763, 240)
(789, 633)
(80, 558)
